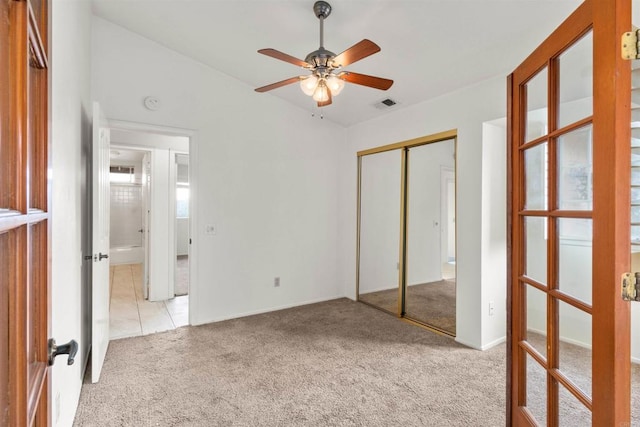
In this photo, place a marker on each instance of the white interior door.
(100, 273)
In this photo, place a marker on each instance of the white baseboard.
(459, 341)
(266, 310)
(635, 360)
(483, 347)
(493, 343)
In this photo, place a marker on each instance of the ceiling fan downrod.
(322, 9)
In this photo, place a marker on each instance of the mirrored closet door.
(380, 182)
(407, 230)
(430, 293)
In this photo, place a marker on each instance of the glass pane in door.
(535, 229)
(537, 114)
(430, 294)
(536, 176)
(536, 390)
(576, 82)
(572, 411)
(575, 355)
(575, 170)
(536, 303)
(575, 249)
(379, 245)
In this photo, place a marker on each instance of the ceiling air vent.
(385, 103)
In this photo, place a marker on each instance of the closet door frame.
(403, 147)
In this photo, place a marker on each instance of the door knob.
(102, 256)
(70, 348)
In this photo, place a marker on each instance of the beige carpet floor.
(337, 363)
(431, 303)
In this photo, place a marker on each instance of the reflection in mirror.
(430, 295)
(380, 185)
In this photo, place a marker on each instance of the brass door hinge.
(629, 44)
(631, 287)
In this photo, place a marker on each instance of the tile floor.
(131, 315)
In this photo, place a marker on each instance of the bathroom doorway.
(150, 233)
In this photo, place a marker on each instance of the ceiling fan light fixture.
(309, 85)
(335, 84)
(321, 93)
(326, 79)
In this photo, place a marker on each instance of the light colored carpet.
(181, 286)
(338, 363)
(431, 303)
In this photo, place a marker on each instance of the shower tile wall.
(126, 215)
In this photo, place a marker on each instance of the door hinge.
(629, 44)
(631, 287)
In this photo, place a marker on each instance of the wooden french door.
(569, 223)
(24, 213)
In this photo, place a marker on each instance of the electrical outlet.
(276, 282)
(210, 229)
(491, 308)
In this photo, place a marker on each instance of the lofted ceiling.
(429, 47)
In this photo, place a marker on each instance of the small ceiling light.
(335, 84)
(309, 84)
(321, 93)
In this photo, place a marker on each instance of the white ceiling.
(429, 47)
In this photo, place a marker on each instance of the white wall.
(70, 67)
(266, 176)
(465, 110)
(494, 232)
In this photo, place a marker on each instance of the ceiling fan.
(326, 79)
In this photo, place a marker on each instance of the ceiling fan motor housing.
(322, 9)
(320, 58)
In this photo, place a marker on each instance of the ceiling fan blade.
(284, 57)
(355, 53)
(327, 102)
(278, 84)
(365, 80)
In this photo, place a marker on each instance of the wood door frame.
(611, 242)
